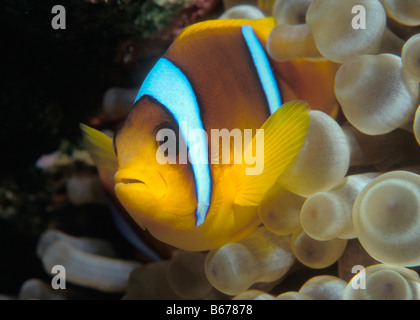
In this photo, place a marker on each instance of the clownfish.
(216, 75)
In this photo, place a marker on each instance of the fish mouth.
(146, 180)
(124, 180)
(128, 181)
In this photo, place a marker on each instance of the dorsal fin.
(262, 27)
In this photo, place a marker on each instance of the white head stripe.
(262, 64)
(167, 84)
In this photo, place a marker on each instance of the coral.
(328, 215)
(118, 101)
(180, 278)
(293, 295)
(416, 125)
(386, 218)
(336, 207)
(405, 12)
(260, 257)
(376, 282)
(353, 256)
(383, 151)
(186, 275)
(288, 42)
(152, 16)
(410, 57)
(324, 288)
(384, 282)
(242, 12)
(265, 5)
(290, 12)
(351, 199)
(347, 42)
(85, 189)
(149, 281)
(280, 210)
(73, 169)
(39, 289)
(316, 254)
(375, 114)
(253, 295)
(89, 245)
(84, 268)
(227, 4)
(323, 161)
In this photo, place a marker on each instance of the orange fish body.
(213, 77)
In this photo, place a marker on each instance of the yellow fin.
(284, 134)
(101, 150)
(262, 27)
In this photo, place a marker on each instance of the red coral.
(131, 52)
(194, 12)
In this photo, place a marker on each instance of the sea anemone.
(375, 113)
(260, 257)
(410, 57)
(348, 206)
(293, 295)
(323, 161)
(243, 12)
(314, 253)
(288, 42)
(254, 295)
(328, 215)
(405, 12)
(416, 125)
(324, 288)
(86, 262)
(382, 151)
(186, 275)
(280, 210)
(383, 282)
(118, 101)
(386, 218)
(290, 11)
(347, 41)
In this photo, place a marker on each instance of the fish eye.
(168, 126)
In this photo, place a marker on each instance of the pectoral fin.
(283, 134)
(100, 148)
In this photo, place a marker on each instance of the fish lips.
(145, 180)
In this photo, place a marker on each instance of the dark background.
(51, 80)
